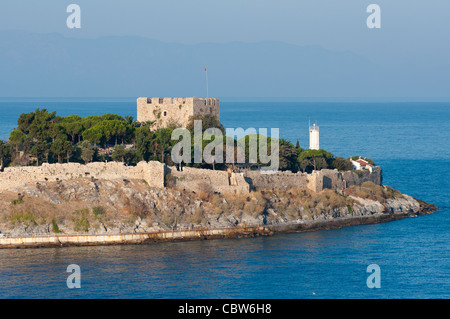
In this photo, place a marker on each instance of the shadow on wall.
(327, 182)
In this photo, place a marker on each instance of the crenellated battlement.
(182, 100)
(175, 110)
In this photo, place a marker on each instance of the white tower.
(313, 137)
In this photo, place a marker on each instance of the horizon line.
(252, 98)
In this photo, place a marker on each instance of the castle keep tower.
(313, 137)
(165, 111)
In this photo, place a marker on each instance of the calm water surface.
(410, 141)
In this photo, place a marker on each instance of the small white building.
(361, 164)
(314, 137)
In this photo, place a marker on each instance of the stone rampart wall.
(151, 172)
(279, 180)
(194, 179)
(316, 181)
(359, 177)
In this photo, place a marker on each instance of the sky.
(333, 24)
(413, 32)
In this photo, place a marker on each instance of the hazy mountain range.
(51, 65)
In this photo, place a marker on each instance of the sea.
(409, 140)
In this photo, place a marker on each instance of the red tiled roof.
(362, 162)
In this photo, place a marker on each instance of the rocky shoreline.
(199, 234)
(91, 211)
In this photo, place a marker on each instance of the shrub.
(98, 211)
(393, 192)
(81, 221)
(170, 180)
(199, 216)
(253, 208)
(204, 190)
(216, 200)
(292, 213)
(27, 218)
(369, 190)
(55, 226)
(17, 201)
(235, 202)
(350, 208)
(169, 219)
(335, 200)
(217, 210)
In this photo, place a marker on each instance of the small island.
(111, 180)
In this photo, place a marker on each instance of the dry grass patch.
(369, 190)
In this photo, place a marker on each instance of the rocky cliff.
(118, 206)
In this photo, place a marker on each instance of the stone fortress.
(178, 110)
(159, 175)
(165, 111)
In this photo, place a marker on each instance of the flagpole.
(206, 73)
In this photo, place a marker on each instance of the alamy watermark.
(74, 19)
(374, 19)
(74, 279)
(233, 153)
(374, 280)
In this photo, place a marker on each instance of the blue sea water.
(410, 141)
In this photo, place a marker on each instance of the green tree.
(16, 139)
(129, 119)
(145, 146)
(130, 134)
(39, 128)
(251, 144)
(106, 127)
(314, 159)
(87, 151)
(69, 150)
(61, 147)
(73, 127)
(41, 150)
(5, 154)
(162, 141)
(25, 121)
(210, 143)
(111, 117)
(27, 144)
(121, 154)
(208, 121)
(90, 121)
(93, 135)
(56, 130)
(341, 164)
(119, 129)
(288, 156)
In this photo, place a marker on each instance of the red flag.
(205, 67)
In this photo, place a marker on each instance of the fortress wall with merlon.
(316, 181)
(12, 177)
(279, 180)
(207, 106)
(359, 177)
(339, 181)
(175, 110)
(195, 179)
(165, 111)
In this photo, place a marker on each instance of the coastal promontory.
(112, 207)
